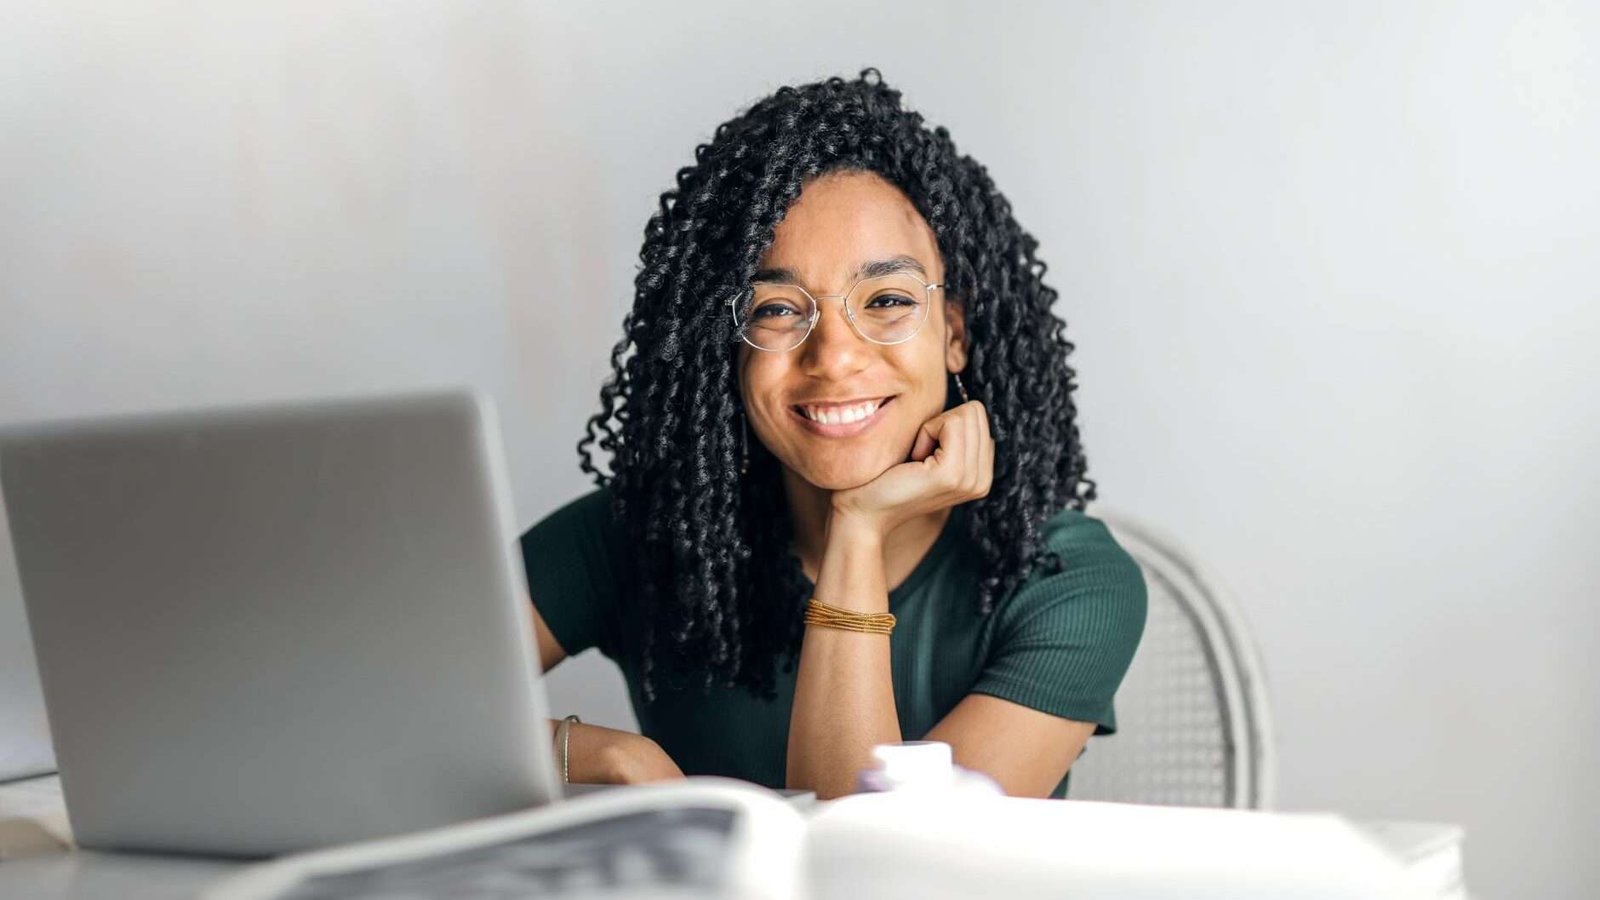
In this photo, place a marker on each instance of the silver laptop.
(24, 734)
(271, 629)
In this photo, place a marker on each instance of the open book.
(712, 837)
(700, 838)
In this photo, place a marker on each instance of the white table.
(37, 859)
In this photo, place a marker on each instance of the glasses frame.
(816, 311)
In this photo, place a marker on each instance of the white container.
(922, 766)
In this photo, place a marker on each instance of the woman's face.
(801, 401)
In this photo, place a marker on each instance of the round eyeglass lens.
(889, 310)
(776, 316)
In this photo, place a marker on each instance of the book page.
(702, 837)
(658, 852)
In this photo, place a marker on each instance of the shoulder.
(575, 562)
(1076, 536)
(1062, 642)
(589, 517)
(1094, 586)
(581, 538)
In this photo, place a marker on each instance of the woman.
(842, 396)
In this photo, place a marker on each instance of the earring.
(961, 388)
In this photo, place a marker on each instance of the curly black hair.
(721, 589)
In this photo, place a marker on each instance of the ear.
(955, 345)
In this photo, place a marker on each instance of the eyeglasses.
(888, 310)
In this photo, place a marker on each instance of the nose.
(833, 351)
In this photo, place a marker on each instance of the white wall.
(1330, 269)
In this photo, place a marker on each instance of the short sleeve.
(1063, 641)
(573, 561)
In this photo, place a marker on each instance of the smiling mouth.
(840, 414)
(840, 419)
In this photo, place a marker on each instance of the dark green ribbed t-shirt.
(1060, 643)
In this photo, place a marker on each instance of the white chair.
(1193, 724)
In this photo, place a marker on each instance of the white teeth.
(840, 415)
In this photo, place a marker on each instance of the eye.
(890, 301)
(774, 310)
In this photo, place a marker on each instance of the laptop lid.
(269, 629)
(24, 735)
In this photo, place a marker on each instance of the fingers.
(979, 472)
(927, 440)
(974, 419)
(951, 462)
(951, 430)
(961, 450)
(936, 435)
(985, 453)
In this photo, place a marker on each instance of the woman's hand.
(952, 461)
(597, 755)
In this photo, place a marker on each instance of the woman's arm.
(1026, 750)
(844, 691)
(844, 694)
(597, 755)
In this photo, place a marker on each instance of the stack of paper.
(895, 846)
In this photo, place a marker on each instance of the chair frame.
(1231, 654)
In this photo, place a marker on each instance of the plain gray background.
(1331, 269)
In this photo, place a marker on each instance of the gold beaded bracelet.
(819, 613)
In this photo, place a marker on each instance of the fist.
(952, 462)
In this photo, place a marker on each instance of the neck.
(809, 511)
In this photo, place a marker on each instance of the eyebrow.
(876, 268)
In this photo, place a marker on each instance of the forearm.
(598, 755)
(844, 691)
